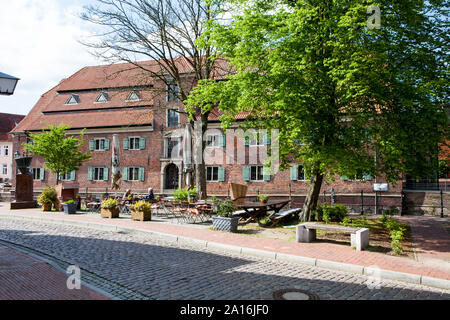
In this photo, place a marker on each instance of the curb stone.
(382, 274)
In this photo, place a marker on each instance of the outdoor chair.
(238, 193)
(276, 218)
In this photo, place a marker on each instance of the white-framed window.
(102, 97)
(215, 173)
(213, 141)
(5, 169)
(5, 150)
(256, 173)
(172, 148)
(212, 173)
(98, 174)
(172, 118)
(133, 173)
(133, 96)
(38, 173)
(172, 92)
(73, 99)
(257, 140)
(99, 144)
(300, 173)
(134, 143)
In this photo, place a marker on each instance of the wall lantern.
(7, 84)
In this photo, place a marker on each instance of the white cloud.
(38, 41)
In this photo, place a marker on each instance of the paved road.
(137, 267)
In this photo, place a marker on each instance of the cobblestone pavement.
(143, 267)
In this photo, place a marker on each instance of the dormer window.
(74, 99)
(103, 97)
(134, 96)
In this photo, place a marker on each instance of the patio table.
(255, 209)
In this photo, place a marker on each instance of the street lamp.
(7, 84)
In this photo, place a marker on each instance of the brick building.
(149, 121)
(7, 123)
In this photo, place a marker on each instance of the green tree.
(350, 92)
(60, 150)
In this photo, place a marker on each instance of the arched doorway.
(171, 177)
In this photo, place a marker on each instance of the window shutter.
(246, 173)
(223, 140)
(266, 174)
(41, 174)
(91, 144)
(294, 172)
(125, 174)
(142, 143)
(72, 175)
(106, 144)
(90, 174)
(221, 174)
(141, 174)
(105, 174)
(125, 143)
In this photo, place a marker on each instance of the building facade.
(7, 123)
(149, 123)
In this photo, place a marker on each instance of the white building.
(7, 123)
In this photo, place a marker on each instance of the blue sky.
(39, 45)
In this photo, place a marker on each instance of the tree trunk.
(312, 196)
(200, 168)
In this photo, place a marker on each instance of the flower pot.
(263, 201)
(109, 213)
(46, 207)
(70, 208)
(225, 224)
(145, 215)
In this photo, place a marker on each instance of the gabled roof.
(7, 123)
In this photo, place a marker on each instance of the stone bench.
(359, 237)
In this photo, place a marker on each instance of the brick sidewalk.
(319, 250)
(23, 277)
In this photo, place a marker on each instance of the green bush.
(223, 208)
(396, 233)
(331, 213)
(48, 196)
(69, 202)
(181, 194)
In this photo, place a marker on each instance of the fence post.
(442, 205)
(332, 196)
(362, 202)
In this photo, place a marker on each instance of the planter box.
(225, 224)
(70, 208)
(109, 213)
(141, 215)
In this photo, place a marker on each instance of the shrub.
(263, 197)
(181, 194)
(396, 234)
(331, 213)
(69, 202)
(346, 222)
(109, 204)
(224, 208)
(48, 196)
(141, 206)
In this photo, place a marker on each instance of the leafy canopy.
(60, 150)
(345, 98)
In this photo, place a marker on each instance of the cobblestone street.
(136, 267)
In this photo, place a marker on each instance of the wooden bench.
(359, 237)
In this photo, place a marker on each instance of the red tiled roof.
(7, 124)
(95, 118)
(215, 114)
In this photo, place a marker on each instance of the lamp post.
(7, 84)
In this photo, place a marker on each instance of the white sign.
(380, 186)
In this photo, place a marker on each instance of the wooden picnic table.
(255, 209)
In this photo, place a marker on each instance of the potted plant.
(130, 196)
(109, 209)
(70, 207)
(104, 196)
(47, 198)
(263, 198)
(141, 211)
(224, 220)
